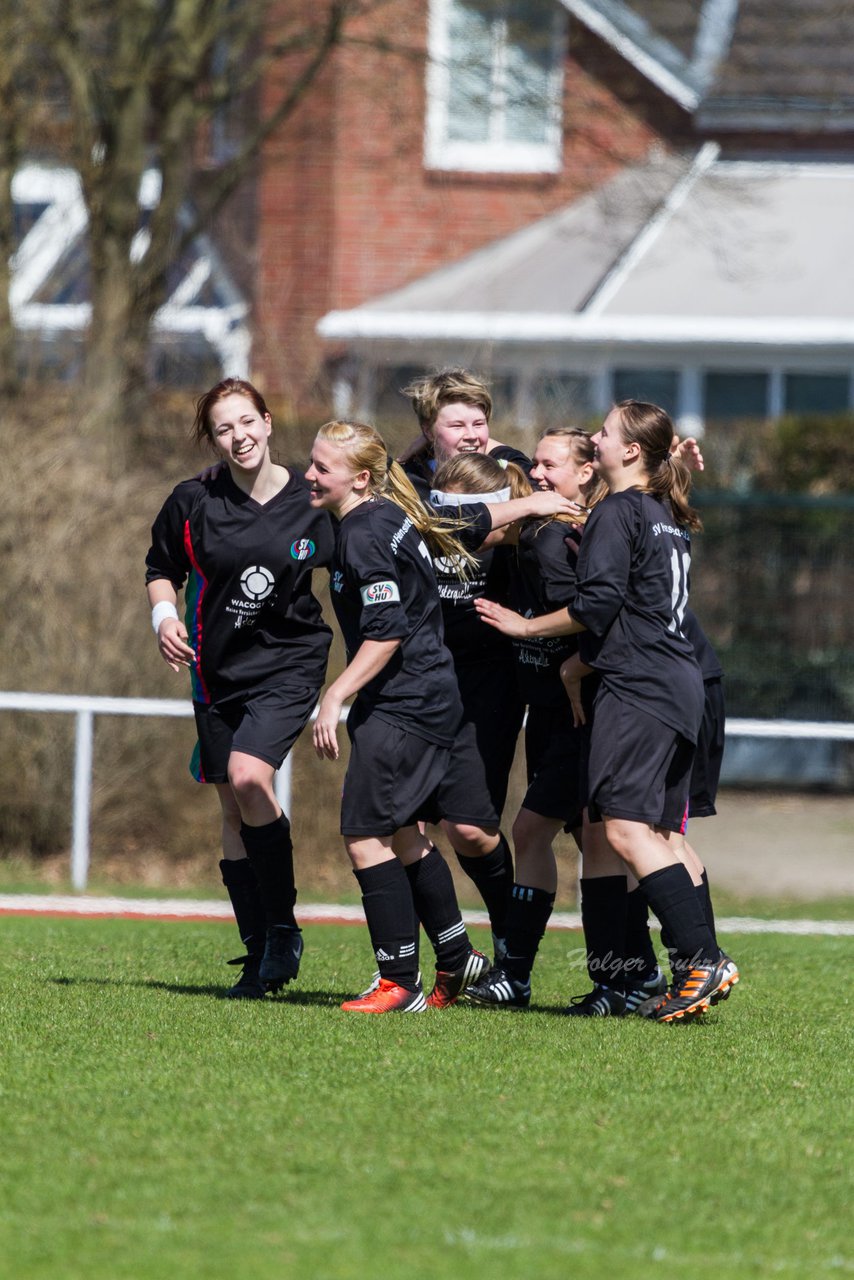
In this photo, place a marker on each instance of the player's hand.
(687, 451)
(172, 643)
(325, 731)
(547, 502)
(504, 620)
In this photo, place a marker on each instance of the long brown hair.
(201, 429)
(668, 478)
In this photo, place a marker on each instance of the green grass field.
(149, 1128)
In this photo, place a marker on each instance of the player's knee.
(248, 782)
(622, 840)
(470, 841)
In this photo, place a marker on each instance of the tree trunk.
(115, 374)
(9, 156)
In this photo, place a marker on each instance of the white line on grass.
(25, 904)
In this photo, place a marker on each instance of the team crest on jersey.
(380, 593)
(256, 582)
(302, 548)
(448, 564)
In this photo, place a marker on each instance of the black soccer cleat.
(282, 954)
(690, 994)
(249, 985)
(729, 975)
(498, 990)
(449, 985)
(642, 996)
(601, 1002)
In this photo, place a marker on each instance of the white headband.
(440, 499)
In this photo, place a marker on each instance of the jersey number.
(680, 563)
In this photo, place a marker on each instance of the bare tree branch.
(143, 81)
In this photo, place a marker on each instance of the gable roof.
(738, 64)
(789, 67)
(552, 265)
(714, 251)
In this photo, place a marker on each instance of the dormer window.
(494, 85)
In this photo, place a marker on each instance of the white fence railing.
(85, 708)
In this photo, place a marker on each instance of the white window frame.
(494, 155)
(64, 220)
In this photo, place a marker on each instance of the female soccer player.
(453, 410)
(543, 580)
(404, 720)
(242, 541)
(631, 594)
(622, 963)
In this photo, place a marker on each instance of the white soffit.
(635, 37)
(654, 58)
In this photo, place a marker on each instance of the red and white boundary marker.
(70, 905)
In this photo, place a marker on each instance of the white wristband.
(164, 609)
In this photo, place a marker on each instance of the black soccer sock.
(673, 898)
(436, 907)
(603, 919)
(705, 899)
(271, 854)
(527, 917)
(639, 955)
(492, 876)
(705, 896)
(239, 879)
(387, 900)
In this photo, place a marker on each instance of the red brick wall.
(348, 211)
(295, 206)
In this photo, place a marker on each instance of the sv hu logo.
(377, 592)
(302, 548)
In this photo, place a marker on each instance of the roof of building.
(738, 64)
(712, 250)
(551, 265)
(49, 290)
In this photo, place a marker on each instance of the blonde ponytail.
(368, 452)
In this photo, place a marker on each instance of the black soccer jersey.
(631, 595)
(250, 613)
(544, 581)
(384, 588)
(470, 641)
(709, 662)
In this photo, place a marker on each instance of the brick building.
(583, 198)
